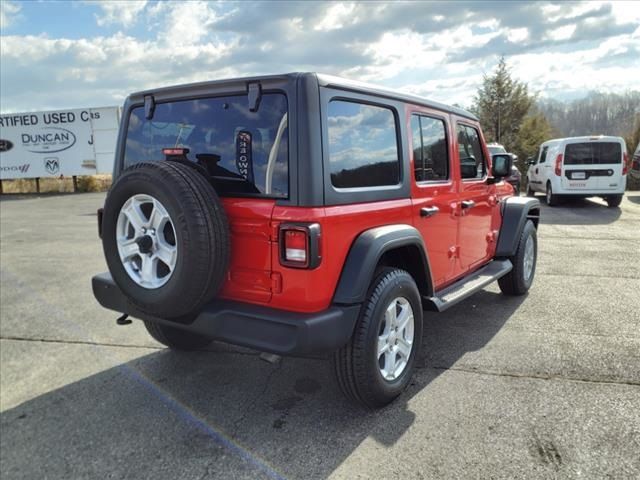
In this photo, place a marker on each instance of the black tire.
(356, 364)
(614, 201)
(176, 338)
(551, 198)
(201, 231)
(530, 192)
(516, 282)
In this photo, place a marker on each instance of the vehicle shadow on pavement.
(633, 198)
(579, 211)
(225, 412)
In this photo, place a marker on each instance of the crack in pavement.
(114, 345)
(252, 402)
(538, 376)
(273, 372)
(591, 275)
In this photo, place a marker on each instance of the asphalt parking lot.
(544, 386)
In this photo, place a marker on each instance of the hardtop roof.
(323, 80)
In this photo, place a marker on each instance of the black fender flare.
(515, 213)
(365, 253)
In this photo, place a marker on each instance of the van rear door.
(595, 164)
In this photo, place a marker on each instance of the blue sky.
(86, 53)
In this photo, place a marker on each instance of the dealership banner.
(55, 143)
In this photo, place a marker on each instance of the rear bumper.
(262, 328)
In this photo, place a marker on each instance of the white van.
(580, 167)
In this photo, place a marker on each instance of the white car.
(580, 167)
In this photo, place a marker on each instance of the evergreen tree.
(534, 130)
(501, 105)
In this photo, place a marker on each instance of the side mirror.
(531, 161)
(502, 165)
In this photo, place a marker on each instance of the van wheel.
(530, 192)
(377, 363)
(519, 279)
(176, 338)
(614, 201)
(552, 199)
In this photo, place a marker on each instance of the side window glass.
(472, 161)
(363, 145)
(543, 155)
(431, 159)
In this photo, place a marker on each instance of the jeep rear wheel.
(176, 338)
(376, 365)
(165, 238)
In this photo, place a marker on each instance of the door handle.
(428, 211)
(466, 204)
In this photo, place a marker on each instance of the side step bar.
(467, 286)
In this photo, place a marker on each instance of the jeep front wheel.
(377, 363)
(519, 279)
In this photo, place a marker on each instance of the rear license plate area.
(578, 175)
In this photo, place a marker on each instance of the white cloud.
(337, 15)
(516, 35)
(439, 50)
(562, 33)
(124, 13)
(9, 12)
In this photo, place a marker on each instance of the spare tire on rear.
(166, 238)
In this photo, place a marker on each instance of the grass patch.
(86, 183)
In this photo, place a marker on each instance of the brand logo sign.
(24, 168)
(48, 140)
(52, 165)
(5, 145)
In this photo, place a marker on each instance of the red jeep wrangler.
(303, 215)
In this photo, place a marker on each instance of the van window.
(593, 153)
(363, 145)
(245, 152)
(543, 154)
(430, 155)
(472, 162)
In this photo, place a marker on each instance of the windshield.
(245, 152)
(494, 150)
(593, 153)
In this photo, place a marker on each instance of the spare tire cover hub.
(146, 241)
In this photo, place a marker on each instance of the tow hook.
(123, 320)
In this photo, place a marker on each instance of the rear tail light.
(296, 246)
(559, 164)
(625, 164)
(300, 245)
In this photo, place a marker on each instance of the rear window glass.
(592, 153)
(246, 153)
(363, 146)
